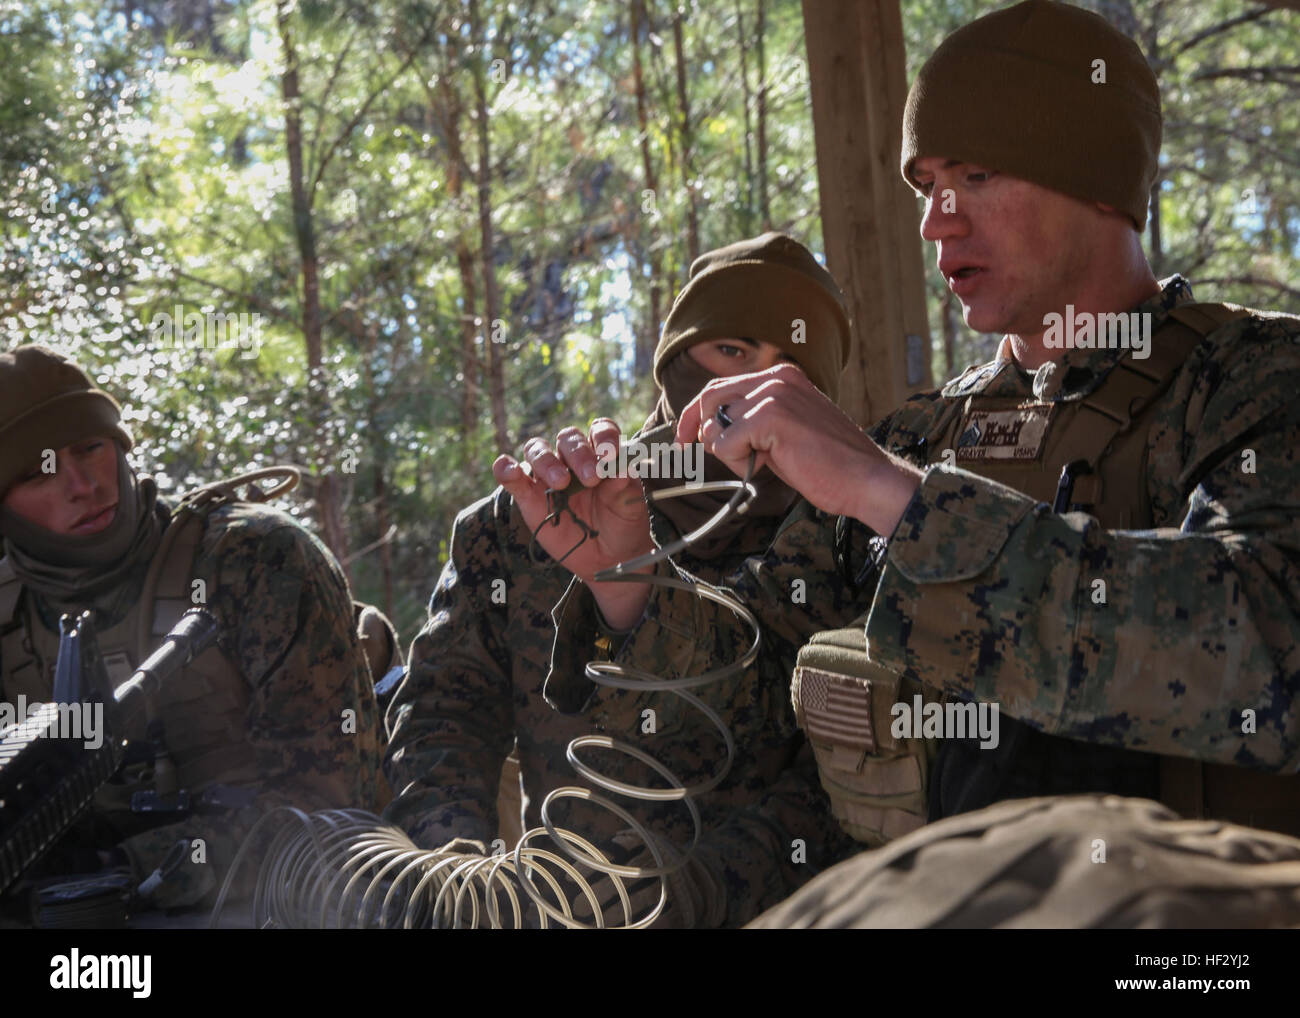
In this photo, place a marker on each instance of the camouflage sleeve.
(1181, 640)
(452, 721)
(312, 719)
(766, 852)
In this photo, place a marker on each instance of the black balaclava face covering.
(683, 378)
(80, 572)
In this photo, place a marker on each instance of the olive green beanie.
(47, 402)
(770, 289)
(1048, 93)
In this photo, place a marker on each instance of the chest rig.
(1080, 454)
(1085, 453)
(202, 711)
(1092, 458)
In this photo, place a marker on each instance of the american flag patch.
(836, 709)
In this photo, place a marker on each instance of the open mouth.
(962, 280)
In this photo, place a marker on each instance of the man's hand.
(806, 440)
(613, 507)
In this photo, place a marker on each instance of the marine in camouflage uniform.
(1142, 637)
(478, 676)
(983, 588)
(281, 711)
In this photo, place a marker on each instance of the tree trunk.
(380, 456)
(448, 114)
(858, 85)
(304, 228)
(747, 221)
(327, 494)
(494, 326)
(469, 333)
(764, 207)
(385, 549)
(650, 337)
(686, 132)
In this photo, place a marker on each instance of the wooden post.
(870, 221)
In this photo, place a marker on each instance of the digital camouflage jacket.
(984, 593)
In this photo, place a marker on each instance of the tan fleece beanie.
(1045, 92)
(47, 402)
(770, 289)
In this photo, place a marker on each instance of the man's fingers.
(575, 449)
(605, 437)
(522, 486)
(728, 442)
(733, 443)
(711, 433)
(509, 473)
(545, 464)
(688, 424)
(735, 391)
(728, 392)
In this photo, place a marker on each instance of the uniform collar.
(1073, 376)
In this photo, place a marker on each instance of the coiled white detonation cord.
(346, 868)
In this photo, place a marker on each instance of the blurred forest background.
(463, 222)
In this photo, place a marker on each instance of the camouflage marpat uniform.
(986, 594)
(288, 633)
(295, 645)
(478, 678)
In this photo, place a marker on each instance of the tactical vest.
(1091, 457)
(204, 707)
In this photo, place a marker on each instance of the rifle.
(47, 780)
